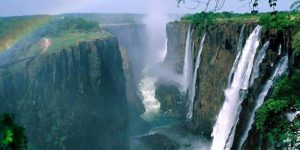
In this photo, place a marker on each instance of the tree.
(220, 3)
(296, 5)
(296, 43)
(11, 135)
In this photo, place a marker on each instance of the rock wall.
(132, 43)
(71, 99)
(176, 35)
(218, 54)
(217, 58)
(216, 62)
(276, 38)
(133, 38)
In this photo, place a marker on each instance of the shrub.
(11, 135)
(296, 44)
(271, 116)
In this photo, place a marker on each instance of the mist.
(156, 20)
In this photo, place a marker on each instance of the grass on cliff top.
(279, 21)
(66, 40)
(14, 28)
(224, 17)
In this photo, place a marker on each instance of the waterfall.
(192, 90)
(279, 50)
(237, 58)
(188, 65)
(164, 52)
(261, 55)
(225, 125)
(280, 69)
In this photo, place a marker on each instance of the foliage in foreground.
(11, 135)
(271, 117)
(296, 44)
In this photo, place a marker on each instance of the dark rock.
(71, 99)
(171, 101)
(176, 34)
(216, 62)
(132, 41)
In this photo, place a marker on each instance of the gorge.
(160, 82)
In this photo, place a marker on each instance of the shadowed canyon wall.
(71, 99)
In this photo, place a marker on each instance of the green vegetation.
(211, 18)
(11, 135)
(296, 44)
(61, 32)
(65, 32)
(69, 39)
(271, 119)
(65, 40)
(109, 18)
(279, 21)
(61, 25)
(14, 28)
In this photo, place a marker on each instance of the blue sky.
(29, 7)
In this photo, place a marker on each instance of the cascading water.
(261, 55)
(155, 52)
(280, 69)
(164, 51)
(225, 126)
(279, 50)
(188, 65)
(192, 90)
(237, 58)
(151, 104)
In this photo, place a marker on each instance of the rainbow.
(14, 29)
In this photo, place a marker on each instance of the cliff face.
(176, 35)
(276, 39)
(71, 99)
(132, 37)
(132, 43)
(219, 52)
(217, 58)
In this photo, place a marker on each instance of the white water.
(147, 88)
(237, 58)
(292, 116)
(188, 64)
(192, 90)
(280, 69)
(151, 104)
(155, 53)
(163, 52)
(279, 50)
(224, 128)
(259, 58)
